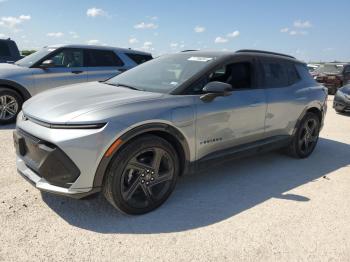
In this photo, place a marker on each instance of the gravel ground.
(264, 208)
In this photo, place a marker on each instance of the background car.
(332, 75)
(341, 101)
(133, 135)
(9, 52)
(60, 65)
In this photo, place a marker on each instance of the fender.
(310, 106)
(17, 87)
(143, 129)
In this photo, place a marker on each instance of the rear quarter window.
(138, 58)
(293, 75)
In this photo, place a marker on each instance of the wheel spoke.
(157, 158)
(137, 166)
(3, 100)
(132, 189)
(148, 193)
(163, 178)
(12, 104)
(11, 111)
(2, 114)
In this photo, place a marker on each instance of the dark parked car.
(333, 76)
(342, 99)
(9, 52)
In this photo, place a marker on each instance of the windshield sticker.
(199, 59)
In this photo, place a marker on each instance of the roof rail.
(263, 52)
(189, 50)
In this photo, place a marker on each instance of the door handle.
(77, 72)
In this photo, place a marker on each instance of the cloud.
(284, 30)
(220, 40)
(133, 40)
(233, 34)
(199, 29)
(94, 12)
(144, 25)
(302, 24)
(147, 46)
(12, 22)
(174, 45)
(74, 34)
(55, 34)
(295, 32)
(152, 17)
(93, 42)
(3, 36)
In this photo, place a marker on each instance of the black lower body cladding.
(45, 159)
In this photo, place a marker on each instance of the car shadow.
(206, 198)
(7, 127)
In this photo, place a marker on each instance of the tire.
(133, 182)
(10, 105)
(305, 139)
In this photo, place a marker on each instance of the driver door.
(68, 69)
(234, 120)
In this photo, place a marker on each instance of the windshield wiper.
(122, 85)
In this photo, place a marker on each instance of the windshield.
(35, 57)
(329, 69)
(162, 74)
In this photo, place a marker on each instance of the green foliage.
(27, 52)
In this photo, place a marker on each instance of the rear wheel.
(306, 137)
(10, 105)
(142, 176)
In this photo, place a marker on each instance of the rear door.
(286, 96)
(68, 69)
(103, 64)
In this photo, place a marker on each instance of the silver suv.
(135, 134)
(60, 65)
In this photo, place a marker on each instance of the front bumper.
(62, 161)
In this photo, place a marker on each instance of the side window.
(293, 75)
(68, 58)
(103, 58)
(275, 74)
(239, 75)
(4, 49)
(139, 59)
(347, 70)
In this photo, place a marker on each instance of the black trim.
(45, 159)
(263, 52)
(260, 146)
(160, 127)
(17, 87)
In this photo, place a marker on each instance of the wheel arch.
(165, 131)
(21, 90)
(314, 108)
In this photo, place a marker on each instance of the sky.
(309, 30)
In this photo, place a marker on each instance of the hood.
(346, 89)
(61, 105)
(7, 70)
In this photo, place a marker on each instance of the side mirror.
(47, 64)
(215, 89)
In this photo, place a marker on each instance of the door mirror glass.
(47, 64)
(215, 89)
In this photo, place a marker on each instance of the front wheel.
(142, 175)
(10, 105)
(306, 137)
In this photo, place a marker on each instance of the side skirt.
(241, 151)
